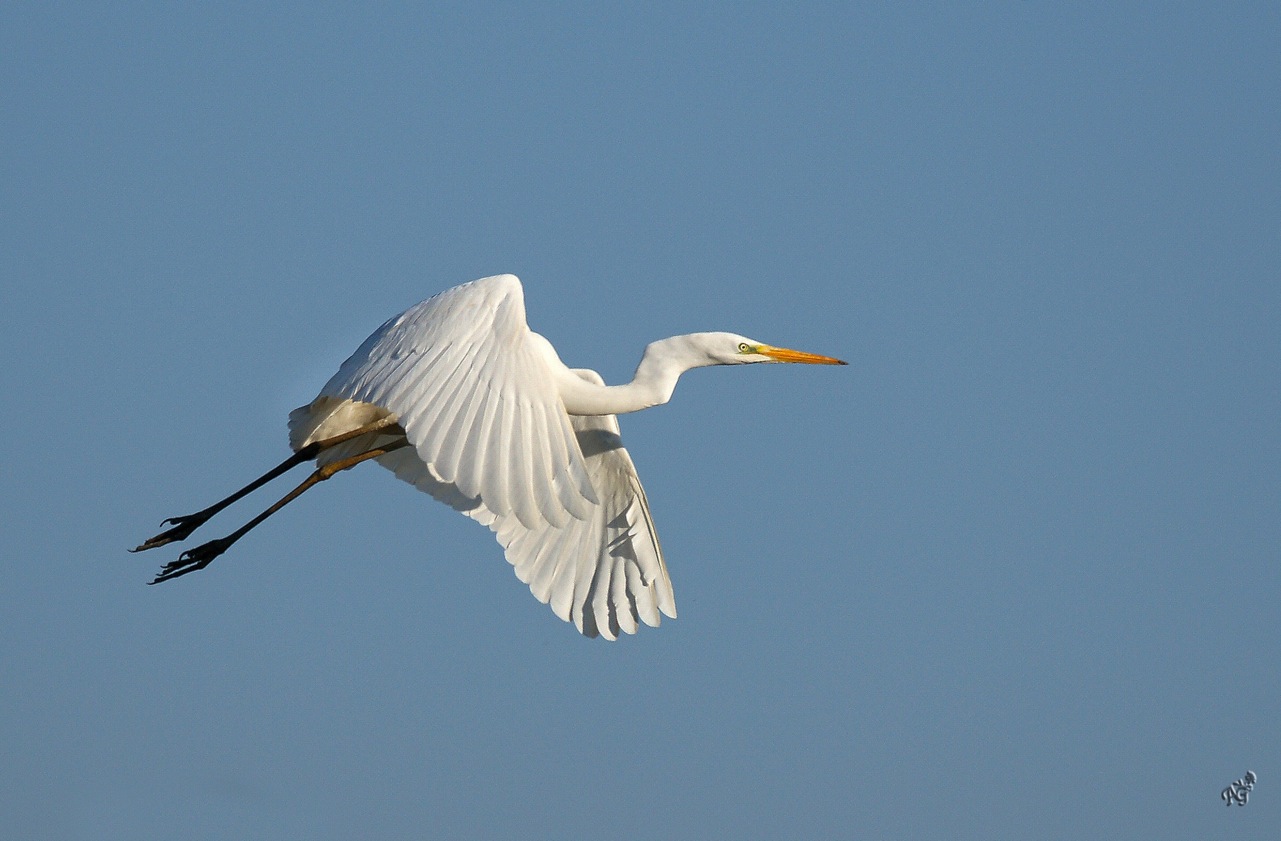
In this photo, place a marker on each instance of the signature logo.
(1239, 791)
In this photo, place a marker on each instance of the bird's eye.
(744, 347)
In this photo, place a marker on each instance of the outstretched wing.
(605, 573)
(629, 579)
(477, 401)
(490, 438)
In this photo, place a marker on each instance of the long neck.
(660, 367)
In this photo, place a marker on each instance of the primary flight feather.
(458, 397)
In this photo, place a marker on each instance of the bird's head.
(733, 349)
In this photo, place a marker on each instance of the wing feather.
(479, 404)
(548, 502)
(620, 603)
(416, 362)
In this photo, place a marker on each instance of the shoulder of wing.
(454, 321)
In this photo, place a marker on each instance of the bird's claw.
(182, 528)
(192, 560)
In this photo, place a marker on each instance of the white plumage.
(459, 398)
(475, 395)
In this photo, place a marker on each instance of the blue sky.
(1012, 574)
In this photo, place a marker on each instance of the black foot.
(182, 529)
(193, 559)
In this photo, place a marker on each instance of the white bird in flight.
(458, 397)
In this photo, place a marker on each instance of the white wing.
(491, 438)
(476, 400)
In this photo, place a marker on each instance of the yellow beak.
(782, 354)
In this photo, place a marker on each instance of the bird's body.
(458, 397)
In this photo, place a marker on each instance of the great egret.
(458, 397)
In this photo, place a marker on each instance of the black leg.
(201, 556)
(183, 526)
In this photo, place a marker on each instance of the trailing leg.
(183, 526)
(201, 556)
